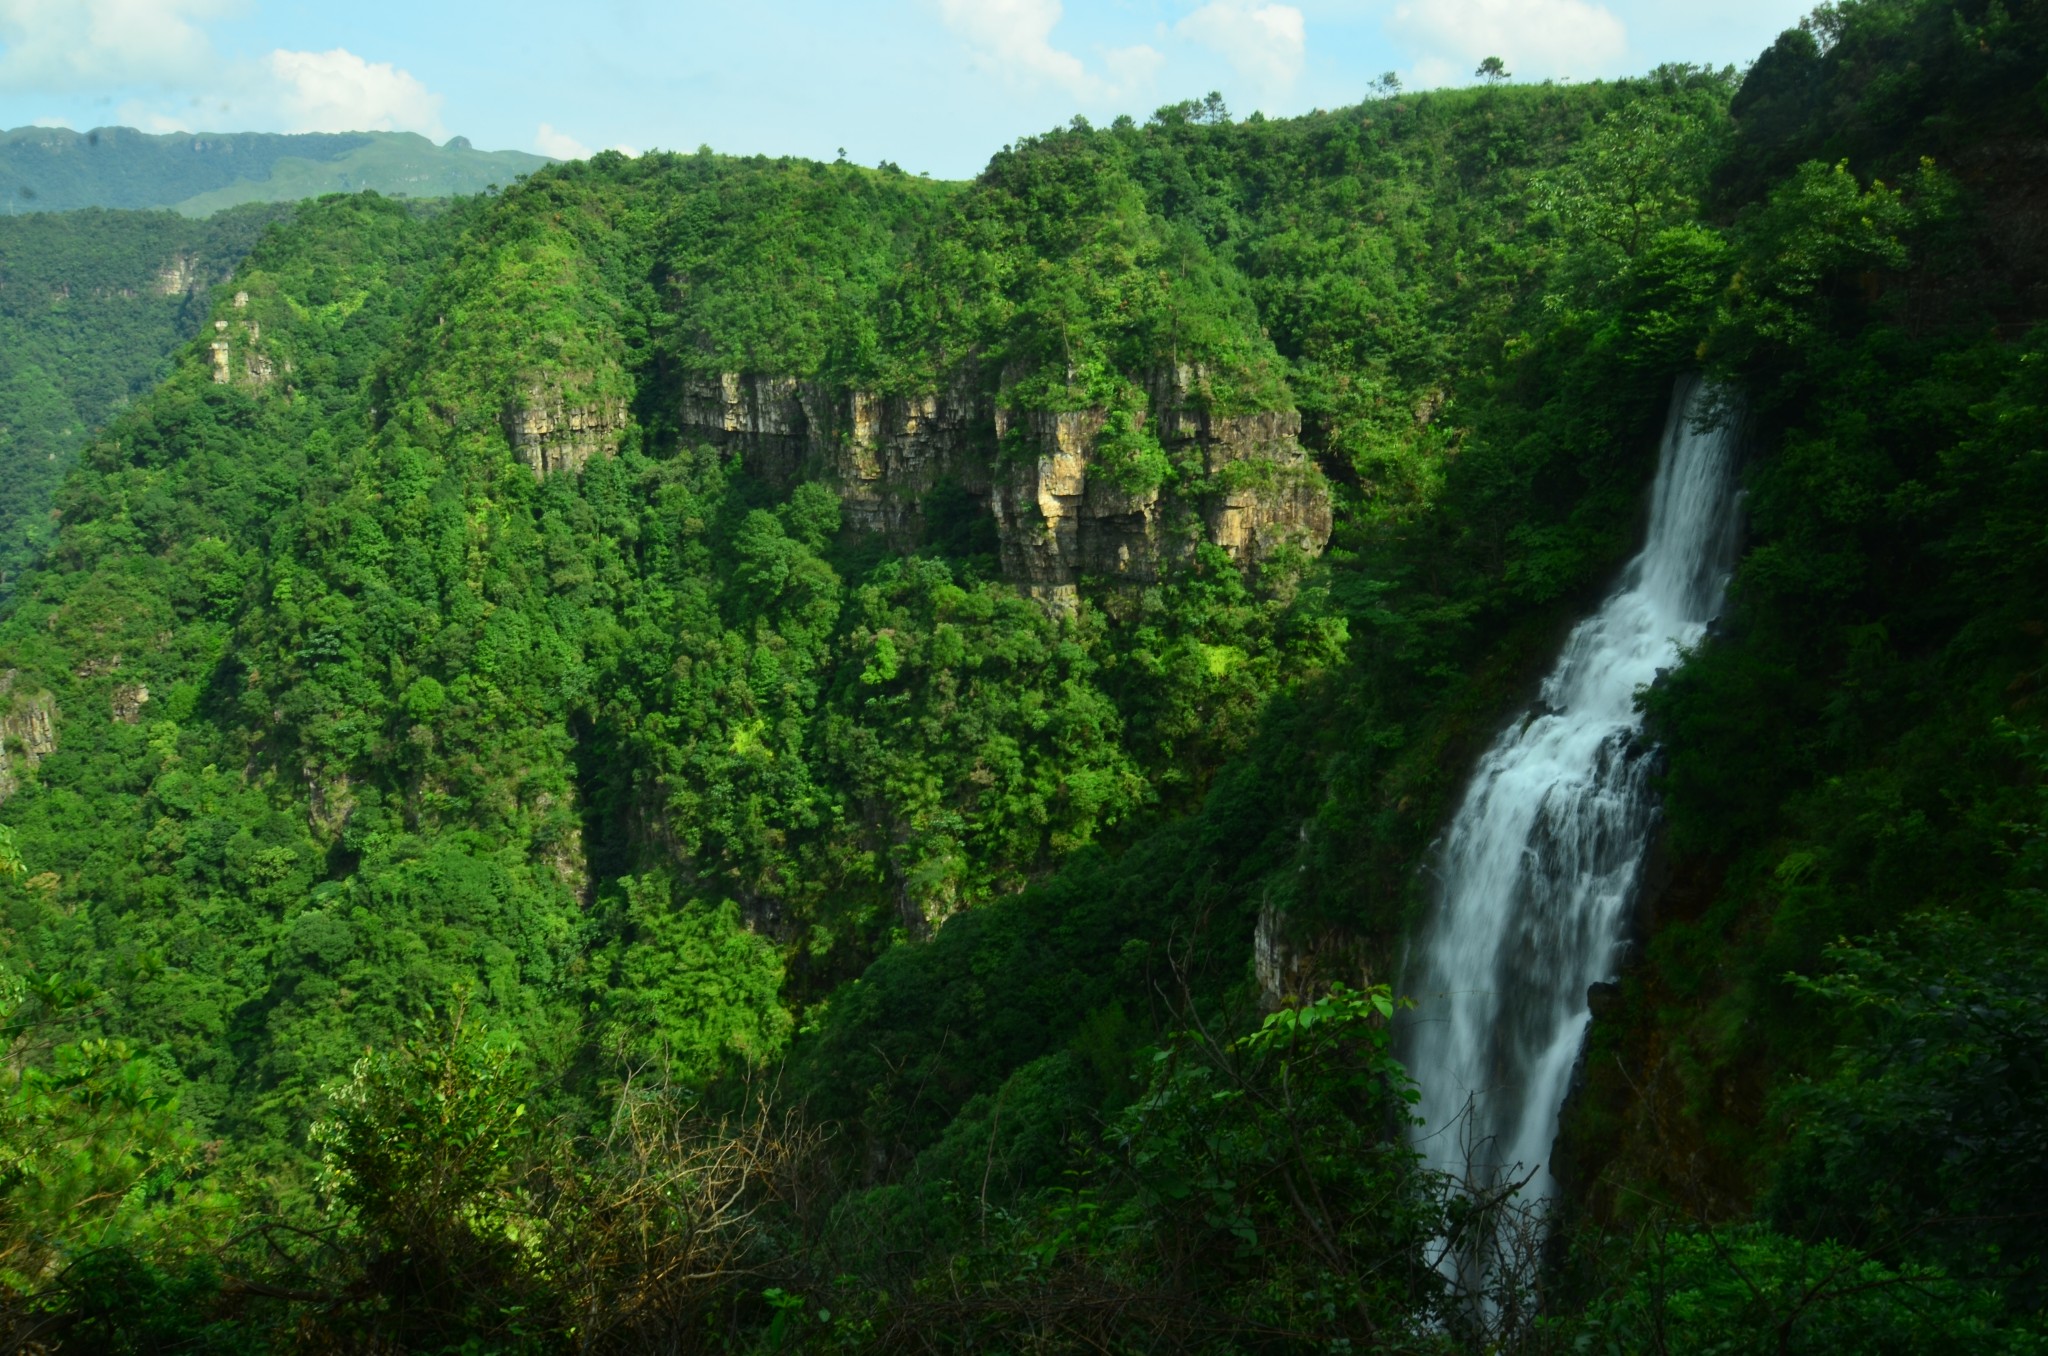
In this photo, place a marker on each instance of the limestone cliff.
(28, 732)
(883, 453)
(245, 338)
(1256, 489)
(178, 277)
(551, 432)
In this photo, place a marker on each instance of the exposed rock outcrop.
(1040, 503)
(258, 368)
(549, 433)
(885, 453)
(127, 702)
(178, 277)
(769, 420)
(1055, 522)
(1292, 965)
(28, 732)
(897, 450)
(1269, 494)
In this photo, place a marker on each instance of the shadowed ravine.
(1540, 862)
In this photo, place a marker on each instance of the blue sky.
(934, 85)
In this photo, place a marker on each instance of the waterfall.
(1540, 862)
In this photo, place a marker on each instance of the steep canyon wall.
(1251, 489)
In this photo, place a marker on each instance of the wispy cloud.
(160, 50)
(551, 142)
(1537, 38)
(92, 44)
(338, 91)
(1131, 68)
(1265, 42)
(1013, 39)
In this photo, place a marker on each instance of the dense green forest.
(744, 754)
(93, 306)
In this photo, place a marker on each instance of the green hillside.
(398, 164)
(93, 304)
(741, 754)
(54, 169)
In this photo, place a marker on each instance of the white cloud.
(73, 45)
(1535, 38)
(1265, 42)
(551, 141)
(559, 145)
(1014, 39)
(1132, 68)
(1435, 72)
(338, 91)
(140, 46)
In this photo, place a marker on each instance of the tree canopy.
(494, 856)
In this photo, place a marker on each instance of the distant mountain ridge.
(54, 169)
(99, 283)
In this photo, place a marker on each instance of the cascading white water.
(1540, 862)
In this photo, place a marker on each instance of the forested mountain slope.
(755, 754)
(92, 307)
(93, 303)
(409, 474)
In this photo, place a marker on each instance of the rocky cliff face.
(1292, 963)
(246, 338)
(28, 732)
(884, 453)
(550, 433)
(1055, 521)
(178, 277)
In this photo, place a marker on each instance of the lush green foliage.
(92, 306)
(1854, 753)
(712, 819)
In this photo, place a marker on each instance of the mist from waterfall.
(1540, 864)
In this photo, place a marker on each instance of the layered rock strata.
(28, 732)
(1055, 521)
(1292, 964)
(551, 434)
(884, 453)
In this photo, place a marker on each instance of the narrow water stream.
(1540, 863)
